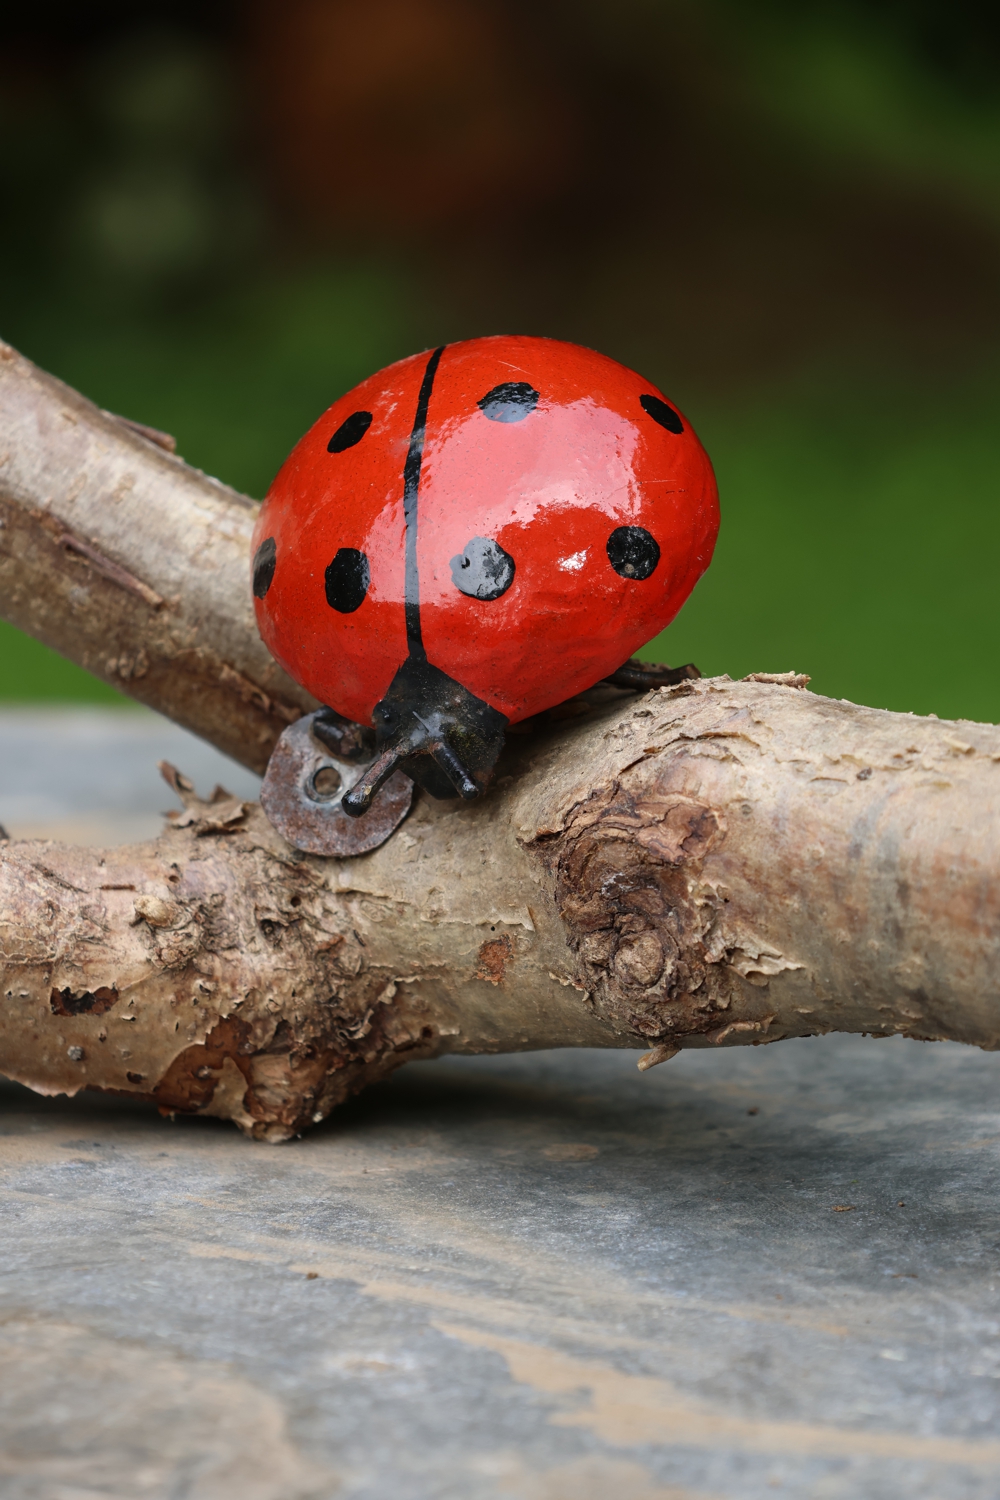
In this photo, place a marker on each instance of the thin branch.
(131, 563)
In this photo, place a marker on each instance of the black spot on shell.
(347, 579)
(662, 413)
(510, 402)
(263, 567)
(633, 552)
(350, 432)
(483, 570)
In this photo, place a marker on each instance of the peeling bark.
(709, 865)
(712, 864)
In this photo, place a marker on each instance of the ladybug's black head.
(432, 728)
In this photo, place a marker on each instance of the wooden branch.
(116, 553)
(713, 864)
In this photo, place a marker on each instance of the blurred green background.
(218, 217)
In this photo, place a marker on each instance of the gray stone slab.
(754, 1272)
(88, 775)
(542, 1275)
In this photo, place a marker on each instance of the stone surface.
(547, 1277)
(88, 775)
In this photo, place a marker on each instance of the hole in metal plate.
(324, 784)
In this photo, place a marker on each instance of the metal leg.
(650, 674)
(435, 731)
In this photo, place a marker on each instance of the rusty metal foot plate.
(302, 791)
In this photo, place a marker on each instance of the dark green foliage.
(786, 215)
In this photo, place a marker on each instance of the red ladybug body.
(473, 535)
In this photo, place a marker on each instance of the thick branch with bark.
(711, 864)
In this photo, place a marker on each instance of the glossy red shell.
(549, 488)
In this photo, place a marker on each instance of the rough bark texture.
(707, 865)
(711, 864)
(122, 557)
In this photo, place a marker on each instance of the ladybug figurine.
(469, 537)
